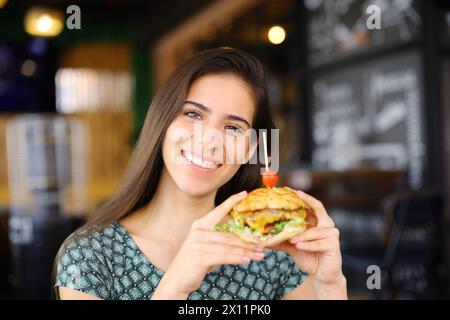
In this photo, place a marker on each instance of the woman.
(155, 239)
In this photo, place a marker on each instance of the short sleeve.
(81, 268)
(290, 277)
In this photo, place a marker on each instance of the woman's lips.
(200, 164)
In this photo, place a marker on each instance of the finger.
(317, 245)
(311, 219)
(216, 215)
(217, 259)
(228, 239)
(286, 247)
(316, 233)
(224, 250)
(323, 219)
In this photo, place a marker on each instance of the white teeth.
(199, 162)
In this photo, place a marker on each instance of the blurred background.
(364, 117)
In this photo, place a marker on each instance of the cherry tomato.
(269, 179)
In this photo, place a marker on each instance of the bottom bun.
(274, 240)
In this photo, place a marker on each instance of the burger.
(268, 216)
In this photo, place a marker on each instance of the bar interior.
(363, 113)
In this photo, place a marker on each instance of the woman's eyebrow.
(207, 110)
(237, 118)
(199, 105)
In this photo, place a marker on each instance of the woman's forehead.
(223, 93)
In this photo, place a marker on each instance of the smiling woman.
(154, 238)
(218, 109)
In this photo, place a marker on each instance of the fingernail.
(246, 259)
(242, 193)
(300, 244)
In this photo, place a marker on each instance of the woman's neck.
(171, 212)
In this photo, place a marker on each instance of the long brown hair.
(146, 164)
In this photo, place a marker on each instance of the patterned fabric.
(108, 264)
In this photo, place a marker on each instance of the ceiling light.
(3, 3)
(276, 35)
(44, 22)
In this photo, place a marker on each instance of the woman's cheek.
(176, 137)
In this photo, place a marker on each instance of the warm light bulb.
(276, 35)
(44, 22)
(3, 3)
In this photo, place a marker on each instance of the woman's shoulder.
(84, 260)
(94, 241)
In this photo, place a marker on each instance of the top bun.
(270, 198)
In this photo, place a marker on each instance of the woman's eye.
(193, 115)
(233, 130)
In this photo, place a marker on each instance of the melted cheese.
(257, 220)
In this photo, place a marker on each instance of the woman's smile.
(200, 163)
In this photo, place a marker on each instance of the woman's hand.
(202, 251)
(316, 251)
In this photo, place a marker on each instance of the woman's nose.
(209, 139)
(208, 142)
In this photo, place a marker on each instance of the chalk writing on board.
(371, 114)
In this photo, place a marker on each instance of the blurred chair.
(411, 252)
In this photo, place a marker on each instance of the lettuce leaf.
(230, 226)
(279, 227)
(233, 226)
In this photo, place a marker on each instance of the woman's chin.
(196, 189)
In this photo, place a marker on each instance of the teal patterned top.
(108, 264)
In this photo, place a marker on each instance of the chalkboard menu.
(371, 113)
(339, 28)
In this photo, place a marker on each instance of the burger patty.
(264, 220)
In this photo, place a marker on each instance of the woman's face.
(209, 139)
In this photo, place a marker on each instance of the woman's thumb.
(216, 215)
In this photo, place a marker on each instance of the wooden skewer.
(266, 158)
